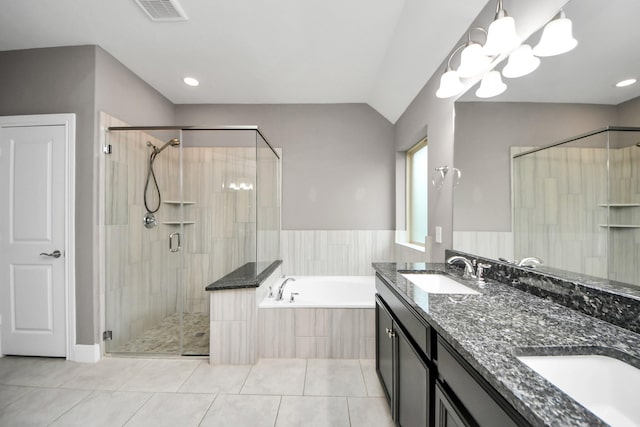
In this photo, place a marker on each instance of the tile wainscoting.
(335, 252)
(491, 244)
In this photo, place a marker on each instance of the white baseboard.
(85, 353)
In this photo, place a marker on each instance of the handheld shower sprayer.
(149, 218)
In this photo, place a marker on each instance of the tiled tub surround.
(241, 332)
(331, 317)
(490, 329)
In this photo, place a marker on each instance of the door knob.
(54, 254)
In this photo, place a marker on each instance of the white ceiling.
(379, 52)
(607, 52)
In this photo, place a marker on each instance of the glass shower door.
(143, 234)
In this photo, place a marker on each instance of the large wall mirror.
(582, 182)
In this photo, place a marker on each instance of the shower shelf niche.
(178, 203)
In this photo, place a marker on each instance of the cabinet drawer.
(418, 331)
(476, 398)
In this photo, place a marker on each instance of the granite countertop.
(250, 275)
(490, 329)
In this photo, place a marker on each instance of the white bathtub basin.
(438, 284)
(606, 386)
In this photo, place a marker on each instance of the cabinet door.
(447, 414)
(412, 386)
(384, 350)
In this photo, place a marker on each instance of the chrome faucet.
(468, 266)
(529, 262)
(280, 293)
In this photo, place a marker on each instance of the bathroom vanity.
(451, 359)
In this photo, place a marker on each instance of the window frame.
(423, 143)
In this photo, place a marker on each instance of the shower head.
(172, 142)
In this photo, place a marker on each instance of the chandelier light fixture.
(501, 39)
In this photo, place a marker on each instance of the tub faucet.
(468, 266)
(281, 288)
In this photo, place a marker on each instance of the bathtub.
(324, 292)
(331, 317)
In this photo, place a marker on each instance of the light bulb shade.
(450, 85)
(491, 85)
(557, 38)
(501, 37)
(473, 61)
(521, 62)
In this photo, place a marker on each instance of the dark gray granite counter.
(490, 329)
(250, 275)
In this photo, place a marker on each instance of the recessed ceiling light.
(190, 81)
(627, 82)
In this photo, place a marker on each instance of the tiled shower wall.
(556, 198)
(141, 283)
(624, 242)
(141, 276)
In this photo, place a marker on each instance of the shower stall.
(576, 204)
(181, 208)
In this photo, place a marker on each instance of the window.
(417, 180)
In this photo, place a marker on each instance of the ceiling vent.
(163, 10)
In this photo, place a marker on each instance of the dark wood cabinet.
(447, 412)
(412, 385)
(403, 368)
(385, 349)
(426, 381)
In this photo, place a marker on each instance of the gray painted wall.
(338, 168)
(62, 80)
(484, 133)
(629, 113)
(80, 80)
(437, 116)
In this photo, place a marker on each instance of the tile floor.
(183, 392)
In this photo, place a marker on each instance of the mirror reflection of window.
(417, 187)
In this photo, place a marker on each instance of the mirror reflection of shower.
(149, 218)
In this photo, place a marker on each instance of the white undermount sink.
(606, 386)
(439, 284)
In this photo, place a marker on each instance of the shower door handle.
(171, 236)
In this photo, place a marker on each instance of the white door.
(32, 228)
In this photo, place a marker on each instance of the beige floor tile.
(103, 409)
(172, 409)
(36, 371)
(371, 380)
(334, 377)
(40, 406)
(11, 393)
(369, 412)
(216, 379)
(108, 374)
(276, 376)
(161, 375)
(242, 411)
(313, 411)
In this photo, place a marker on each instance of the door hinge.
(107, 336)
(107, 149)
